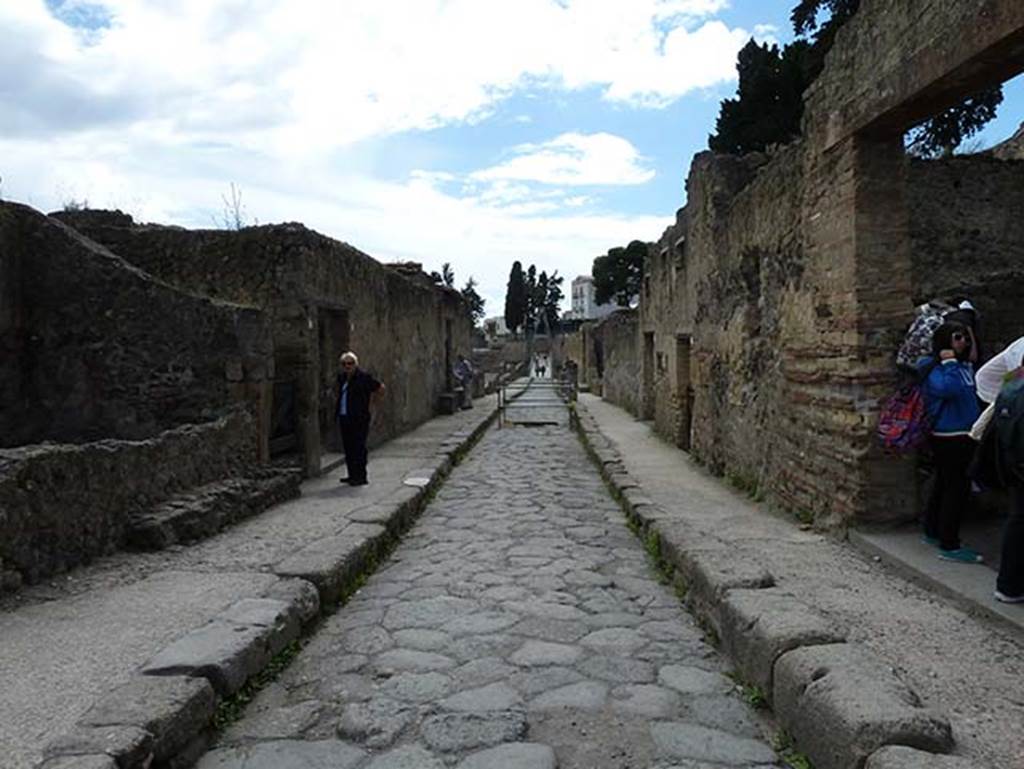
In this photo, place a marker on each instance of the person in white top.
(989, 379)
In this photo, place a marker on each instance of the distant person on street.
(952, 403)
(357, 391)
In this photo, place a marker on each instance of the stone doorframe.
(892, 66)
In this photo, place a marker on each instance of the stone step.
(204, 510)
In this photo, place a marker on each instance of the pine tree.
(515, 299)
(618, 276)
(474, 302)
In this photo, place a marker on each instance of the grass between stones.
(752, 694)
(231, 709)
(784, 748)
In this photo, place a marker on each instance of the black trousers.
(951, 489)
(1011, 561)
(354, 431)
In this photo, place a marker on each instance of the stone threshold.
(843, 706)
(164, 715)
(969, 586)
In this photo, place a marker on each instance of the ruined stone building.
(138, 362)
(772, 308)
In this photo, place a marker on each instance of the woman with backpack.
(952, 403)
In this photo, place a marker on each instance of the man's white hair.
(349, 356)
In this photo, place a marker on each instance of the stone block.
(280, 618)
(224, 653)
(79, 762)
(171, 708)
(301, 595)
(647, 514)
(623, 480)
(758, 626)
(708, 567)
(841, 703)
(901, 757)
(333, 562)
(129, 745)
(635, 496)
(285, 754)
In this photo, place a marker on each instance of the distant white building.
(584, 306)
(495, 328)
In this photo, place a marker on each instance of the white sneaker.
(1004, 598)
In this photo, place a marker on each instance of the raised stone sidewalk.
(131, 655)
(862, 668)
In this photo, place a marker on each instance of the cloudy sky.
(470, 131)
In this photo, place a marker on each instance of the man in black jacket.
(356, 391)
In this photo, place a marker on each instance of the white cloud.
(161, 103)
(575, 159)
(766, 33)
(300, 75)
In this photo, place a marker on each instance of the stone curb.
(848, 709)
(162, 716)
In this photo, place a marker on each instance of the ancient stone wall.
(99, 349)
(65, 504)
(323, 297)
(967, 238)
(620, 375)
(666, 318)
(744, 267)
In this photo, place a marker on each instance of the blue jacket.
(951, 398)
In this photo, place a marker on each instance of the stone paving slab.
(105, 620)
(519, 624)
(915, 633)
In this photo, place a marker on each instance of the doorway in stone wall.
(965, 238)
(647, 395)
(945, 221)
(284, 413)
(683, 391)
(448, 354)
(333, 336)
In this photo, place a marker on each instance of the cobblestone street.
(519, 625)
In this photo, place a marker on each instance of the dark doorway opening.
(647, 396)
(333, 332)
(684, 391)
